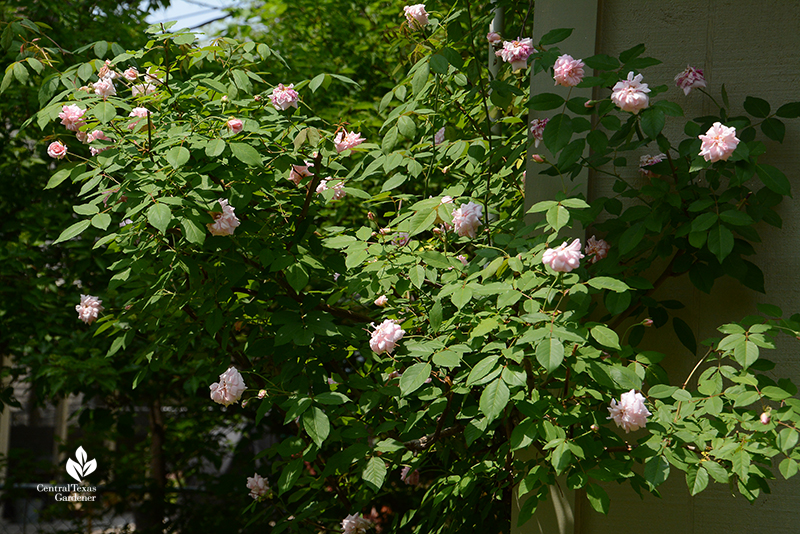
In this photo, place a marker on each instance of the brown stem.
(419, 445)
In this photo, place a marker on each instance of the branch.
(425, 442)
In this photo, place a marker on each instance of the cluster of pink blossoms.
(94, 136)
(596, 249)
(537, 130)
(719, 142)
(630, 412)
(568, 71)
(229, 389)
(516, 52)
(89, 308)
(690, 78)
(355, 524)
(258, 486)
(345, 140)
(283, 97)
(647, 160)
(385, 337)
(224, 223)
(467, 219)
(564, 258)
(72, 117)
(416, 16)
(338, 188)
(631, 94)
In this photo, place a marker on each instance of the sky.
(190, 13)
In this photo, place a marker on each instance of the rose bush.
(469, 361)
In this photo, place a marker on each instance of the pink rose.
(284, 97)
(630, 413)
(765, 418)
(385, 336)
(417, 16)
(516, 53)
(229, 389)
(345, 140)
(689, 79)
(493, 37)
(107, 72)
(131, 74)
(299, 172)
(467, 218)
(355, 524)
(262, 393)
(719, 142)
(537, 158)
(95, 135)
(89, 308)
(104, 88)
(647, 160)
(537, 130)
(568, 71)
(234, 125)
(82, 136)
(72, 117)
(258, 486)
(57, 150)
(596, 249)
(462, 259)
(139, 113)
(410, 477)
(631, 94)
(382, 301)
(564, 258)
(224, 223)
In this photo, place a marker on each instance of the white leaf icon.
(89, 468)
(74, 469)
(80, 454)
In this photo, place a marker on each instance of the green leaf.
(757, 107)
(545, 101)
(494, 399)
(178, 156)
(598, 498)
(389, 140)
(417, 275)
(439, 64)
(333, 398)
(745, 353)
(601, 62)
(788, 468)
(316, 423)
(774, 179)
(297, 276)
(555, 36)
(289, 475)
(57, 178)
(420, 78)
(656, 470)
(482, 369)
(246, 154)
(685, 334)
(661, 391)
(406, 126)
(717, 472)
(612, 284)
(550, 353)
(787, 439)
(774, 129)
(789, 111)
(20, 72)
(316, 82)
(159, 215)
(736, 218)
(696, 479)
(73, 231)
(558, 133)
(461, 296)
(652, 122)
(605, 336)
(435, 315)
(631, 237)
(374, 473)
(192, 232)
(557, 217)
(215, 147)
(414, 377)
(104, 111)
(101, 220)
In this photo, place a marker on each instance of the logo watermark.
(77, 470)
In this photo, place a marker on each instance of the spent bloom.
(131, 74)
(89, 308)
(631, 94)
(338, 188)
(385, 336)
(345, 140)
(596, 249)
(417, 16)
(719, 142)
(72, 117)
(516, 52)
(57, 150)
(229, 389)
(493, 37)
(104, 88)
(258, 486)
(467, 218)
(689, 79)
(630, 412)
(568, 71)
(299, 172)
(107, 71)
(400, 239)
(283, 97)
(234, 125)
(224, 223)
(438, 137)
(564, 258)
(382, 301)
(537, 130)
(647, 160)
(410, 477)
(355, 524)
